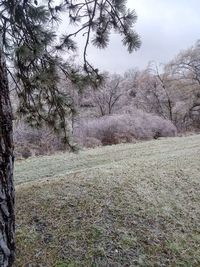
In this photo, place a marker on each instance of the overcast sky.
(165, 28)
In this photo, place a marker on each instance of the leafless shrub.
(117, 128)
(34, 142)
(90, 142)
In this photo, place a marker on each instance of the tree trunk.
(7, 194)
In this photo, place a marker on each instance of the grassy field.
(123, 205)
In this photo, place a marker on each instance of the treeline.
(159, 101)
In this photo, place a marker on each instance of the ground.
(123, 205)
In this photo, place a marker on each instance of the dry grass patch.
(126, 205)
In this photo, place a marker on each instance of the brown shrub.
(91, 142)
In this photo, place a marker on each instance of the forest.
(159, 101)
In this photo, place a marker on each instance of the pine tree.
(31, 53)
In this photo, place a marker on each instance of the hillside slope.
(124, 205)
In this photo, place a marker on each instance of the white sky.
(165, 27)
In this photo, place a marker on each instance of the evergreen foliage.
(34, 51)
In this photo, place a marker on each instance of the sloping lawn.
(123, 205)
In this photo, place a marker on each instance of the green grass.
(124, 205)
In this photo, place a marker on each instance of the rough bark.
(7, 195)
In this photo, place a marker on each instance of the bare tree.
(185, 69)
(186, 65)
(109, 95)
(150, 92)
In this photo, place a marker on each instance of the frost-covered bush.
(34, 142)
(118, 128)
(90, 142)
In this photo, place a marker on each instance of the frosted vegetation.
(139, 105)
(121, 205)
